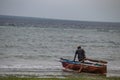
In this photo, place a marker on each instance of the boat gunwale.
(79, 63)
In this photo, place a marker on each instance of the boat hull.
(84, 67)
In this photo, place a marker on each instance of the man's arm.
(84, 54)
(75, 56)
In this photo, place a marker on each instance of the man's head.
(79, 47)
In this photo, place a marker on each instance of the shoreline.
(49, 72)
(52, 74)
(81, 76)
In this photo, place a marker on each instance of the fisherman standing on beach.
(80, 53)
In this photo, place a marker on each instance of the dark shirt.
(80, 53)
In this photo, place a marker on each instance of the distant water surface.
(36, 50)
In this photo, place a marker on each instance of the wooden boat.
(90, 66)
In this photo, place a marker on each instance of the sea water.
(37, 50)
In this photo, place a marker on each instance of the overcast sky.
(87, 10)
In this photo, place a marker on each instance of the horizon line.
(60, 19)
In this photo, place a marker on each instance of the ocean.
(34, 46)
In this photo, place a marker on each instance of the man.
(80, 53)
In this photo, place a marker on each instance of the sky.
(83, 10)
